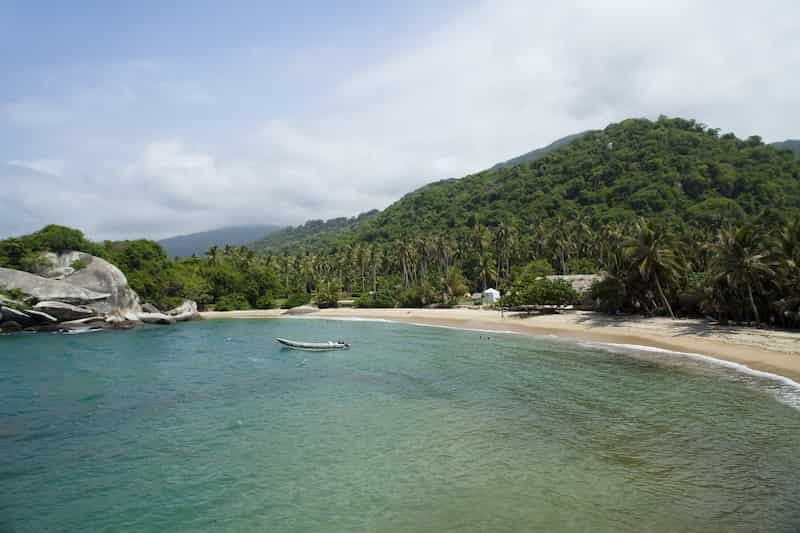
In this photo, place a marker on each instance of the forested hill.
(539, 153)
(312, 235)
(671, 170)
(199, 243)
(790, 144)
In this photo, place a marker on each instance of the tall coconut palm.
(652, 254)
(740, 259)
(486, 271)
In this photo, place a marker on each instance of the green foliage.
(418, 296)
(609, 293)
(232, 302)
(383, 298)
(78, 264)
(296, 299)
(542, 291)
(327, 294)
(265, 302)
(57, 239)
(12, 294)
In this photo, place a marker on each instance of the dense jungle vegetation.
(680, 218)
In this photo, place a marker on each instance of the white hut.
(490, 296)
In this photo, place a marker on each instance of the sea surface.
(212, 426)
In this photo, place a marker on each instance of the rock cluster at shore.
(61, 297)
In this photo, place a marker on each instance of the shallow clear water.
(211, 426)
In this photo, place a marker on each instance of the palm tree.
(486, 269)
(650, 252)
(213, 255)
(454, 284)
(740, 259)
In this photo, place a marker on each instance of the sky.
(157, 118)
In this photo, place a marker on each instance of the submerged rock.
(9, 326)
(302, 310)
(156, 318)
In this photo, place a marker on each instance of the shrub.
(418, 297)
(265, 302)
(384, 298)
(542, 291)
(327, 295)
(610, 293)
(232, 302)
(78, 264)
(296, 299)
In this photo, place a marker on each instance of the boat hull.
(312, 346)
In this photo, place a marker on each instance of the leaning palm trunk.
(664, 298)
(753, 302)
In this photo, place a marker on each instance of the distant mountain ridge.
(792, 145)
(539, 153)
(312, 234)
(198, 243)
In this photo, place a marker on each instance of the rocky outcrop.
(17, 317)
(184, 312)
(156, 318)
(78, 291)
(41, 288)
(63, 311)
(150, 308)
(101, 276)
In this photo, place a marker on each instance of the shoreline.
(773, 351)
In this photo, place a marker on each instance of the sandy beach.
(777, 352)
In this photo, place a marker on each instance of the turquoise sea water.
(211, 426)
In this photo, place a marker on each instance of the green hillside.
(313, 235)
(793, 145)
(198, 243)
(673, 171)
(539, 153)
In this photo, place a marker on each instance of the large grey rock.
(184, 312)
(156, 318)
(41, 318)
(15, 315)
(58, 266)
(49, 289)
(63, 311)
(101, 276)
(150, 308)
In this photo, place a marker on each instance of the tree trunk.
(664, 298)
(752, 302)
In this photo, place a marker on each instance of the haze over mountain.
(202, 115)
(674, 170)
(789, 144)
(198, 243)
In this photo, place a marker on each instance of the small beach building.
(490, 296)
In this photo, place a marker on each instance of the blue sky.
(131, 119)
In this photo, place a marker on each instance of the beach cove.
(773, 351)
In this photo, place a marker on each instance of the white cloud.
(496, 81)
